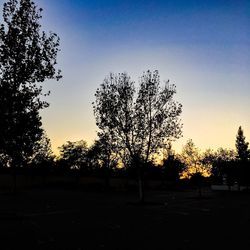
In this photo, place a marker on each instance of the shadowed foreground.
(73, 219)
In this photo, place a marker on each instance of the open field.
(63, 218)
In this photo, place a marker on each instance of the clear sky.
(202, 46)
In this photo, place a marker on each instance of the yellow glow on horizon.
(205, 172)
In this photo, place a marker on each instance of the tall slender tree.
(243, 156)
(28, 56)
(243, 152)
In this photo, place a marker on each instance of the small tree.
(243, 153)
(74, 154)
(103, 153)
(195, 169)
(27, 57)
(42, 161)
(140, 122)
(208, 157)
(191, 157)
(172, 169)
(223, 166)
(43, 155)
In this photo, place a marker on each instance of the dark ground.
(56, 218)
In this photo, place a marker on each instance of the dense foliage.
(27, 58)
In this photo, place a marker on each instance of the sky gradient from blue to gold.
(201, 46)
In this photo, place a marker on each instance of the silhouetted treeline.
(223, 166)
(76, 159)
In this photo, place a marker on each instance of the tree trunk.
(14, 174)
(141, 185)
(199, 189)
(107, 174)
(107, 179)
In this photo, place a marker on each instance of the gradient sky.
(201, 46)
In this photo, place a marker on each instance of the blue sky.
(201, 46)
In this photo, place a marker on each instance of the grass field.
(63, 218)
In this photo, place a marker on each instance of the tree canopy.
(74, 154)
(140, 121)
(193, 160)
(28, 56)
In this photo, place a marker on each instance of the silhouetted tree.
(223, 166)
(73, 155)
(191, 157)
(43, 155)
(139, 121)
(194, 168)
(42, 162)
(93, 153)
(208, 158)
(172, 167)
(243, 153)
(104, 154)
(27, 57)
(224, 154)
